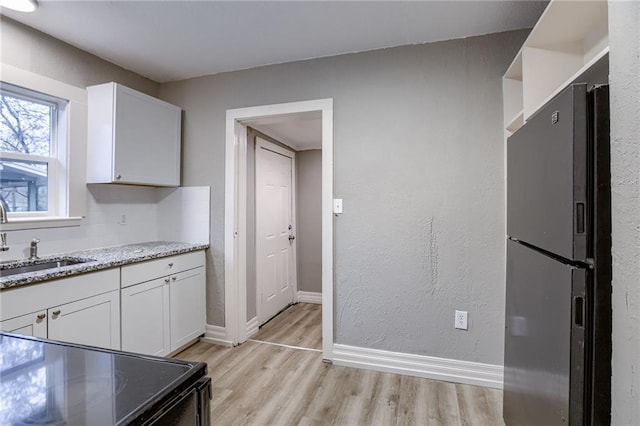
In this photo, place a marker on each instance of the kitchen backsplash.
(116, 214)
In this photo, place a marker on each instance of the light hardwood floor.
(299, 325)
(258, 383)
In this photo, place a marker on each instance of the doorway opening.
(240, 319)
(284, 191)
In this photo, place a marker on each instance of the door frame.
(270, 146)
(235, 235)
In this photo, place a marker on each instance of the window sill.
(18, 224)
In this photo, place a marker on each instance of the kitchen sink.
(39, 265)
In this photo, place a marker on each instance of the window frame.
(70, 182)
(52, 161)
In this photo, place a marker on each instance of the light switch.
(337, 205)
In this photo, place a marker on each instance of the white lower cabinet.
(145, 318)
(154, 307)
(83, 309)
(34, 324)
(187, 307)
(94, 321)
(163, 304)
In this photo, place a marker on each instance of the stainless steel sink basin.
(39, 265)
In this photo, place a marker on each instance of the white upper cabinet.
(569, 37)
(133, 138)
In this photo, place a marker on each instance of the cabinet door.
(145, 318)
(147, 139)
(187, 306)
(34, 324)
(94, 321)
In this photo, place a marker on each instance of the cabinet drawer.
(152, 269)
(15, 302)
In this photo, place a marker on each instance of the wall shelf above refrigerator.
(569, 37)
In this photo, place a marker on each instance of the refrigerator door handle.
(578, 311)
(580, 218)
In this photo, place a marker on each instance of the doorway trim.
(235, 214)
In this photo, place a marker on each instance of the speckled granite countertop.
(98, 259)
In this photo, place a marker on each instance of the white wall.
(419, 162)
(624, 40)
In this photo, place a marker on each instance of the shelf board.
(514, 72)
(568, 81)
(567, 22)
(516, 122)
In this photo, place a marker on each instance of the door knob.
(291, 238)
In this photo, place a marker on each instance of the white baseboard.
(449, 370)
(310, 297)
(252, 327)
(216, 335)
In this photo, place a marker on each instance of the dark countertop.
(49, 382)
(102, 258)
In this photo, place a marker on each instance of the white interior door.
(275, 238)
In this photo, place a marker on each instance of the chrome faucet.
(3, 243)
(33, 249)
(3, 211)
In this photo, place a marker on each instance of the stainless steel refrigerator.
(558, 297)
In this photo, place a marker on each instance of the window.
(42, 150)
(29, 165)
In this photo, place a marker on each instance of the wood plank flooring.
(299, 325)
(262, 384)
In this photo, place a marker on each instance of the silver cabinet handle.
(56, 313)
(174, 278)
(171, 265)
(118, 177)
(40, 317)
(166, 280)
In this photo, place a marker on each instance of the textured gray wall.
(624, 40)
(309, 219)
(418, 159)
(31, 50)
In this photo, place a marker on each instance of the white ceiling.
(299, 131)
(175, 40)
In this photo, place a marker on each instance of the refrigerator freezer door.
(547, 177)
(544, 339)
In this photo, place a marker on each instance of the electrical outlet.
(461, 320)
(123, 219)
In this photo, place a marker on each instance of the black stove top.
(48, 383)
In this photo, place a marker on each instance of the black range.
(49, 383)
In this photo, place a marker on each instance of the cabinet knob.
(40, 317)
(118, 177)
(174, 278)
(166, 280)
(171, 265)
(56, 313)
